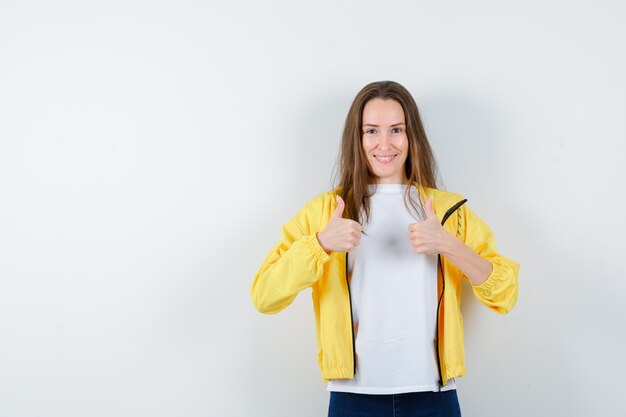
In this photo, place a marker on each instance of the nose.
(385, 141)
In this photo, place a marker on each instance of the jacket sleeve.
(499, 290)
(295, 263)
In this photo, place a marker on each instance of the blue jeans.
(412, 404)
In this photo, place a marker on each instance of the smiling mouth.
(385, 159)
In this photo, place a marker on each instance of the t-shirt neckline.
(387, 188)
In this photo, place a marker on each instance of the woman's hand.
(429, 236)
(340, 235)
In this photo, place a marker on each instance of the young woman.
(385, 253)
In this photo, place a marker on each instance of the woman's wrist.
(317, 235)
(450, 245)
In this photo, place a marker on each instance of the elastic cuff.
(318, 251)
(487, 284)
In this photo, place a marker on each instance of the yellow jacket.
(298, 262)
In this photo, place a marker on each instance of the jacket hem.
(336, 373)
(454, 373)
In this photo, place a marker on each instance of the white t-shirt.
(394, 303)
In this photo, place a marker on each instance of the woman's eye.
(370, 131)
(397, 130)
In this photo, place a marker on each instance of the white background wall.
(151, 151)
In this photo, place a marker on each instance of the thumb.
(338, 213)
(428, 207)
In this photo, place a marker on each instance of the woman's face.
(384, 140)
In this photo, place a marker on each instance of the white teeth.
(385, 158)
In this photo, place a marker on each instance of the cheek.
(367, 144)
(403, 144)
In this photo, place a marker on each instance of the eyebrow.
(395, 124)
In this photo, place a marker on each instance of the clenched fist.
(429, 236)
(340, 235)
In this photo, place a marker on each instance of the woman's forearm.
(476, 268)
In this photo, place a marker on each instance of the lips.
(385, 159)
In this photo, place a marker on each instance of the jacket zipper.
(443, 289)
(351, 321)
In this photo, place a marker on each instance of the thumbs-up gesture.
(428, 236)
(340, 235)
